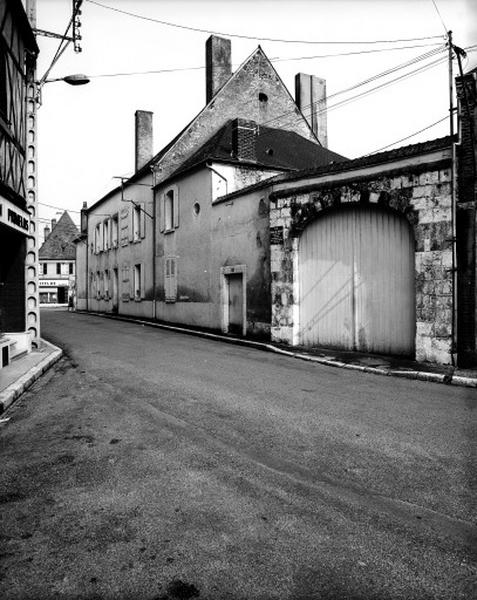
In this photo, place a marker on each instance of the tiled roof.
(59, 244)
(274, 149)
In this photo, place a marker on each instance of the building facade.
(18, 262)
(57, 279)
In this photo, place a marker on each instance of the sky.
(86, 133)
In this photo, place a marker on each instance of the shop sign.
(53, 283)
(14, 217)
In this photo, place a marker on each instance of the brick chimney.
(53, 223)
(218, 64)
(244, 134)
(310, 97)
(143, 130)
(46, 232)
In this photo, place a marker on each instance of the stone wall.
(423, 196)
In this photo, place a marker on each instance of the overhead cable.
(258, 38)
(408, 136)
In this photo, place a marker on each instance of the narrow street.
(156, 465)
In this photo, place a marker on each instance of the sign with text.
(276, 235)
(14, 217)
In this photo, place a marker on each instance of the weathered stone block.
(429, 177)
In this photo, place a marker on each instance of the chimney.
(143, 120)
(310, 97)
(244, 139)
(53, 223)
(46, 233)
(84, 218)
(218, 64)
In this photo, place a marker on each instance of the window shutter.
(124, 227)
(175, 208)
(162, 213)
(142, 218)
(131, 222)
(131, 282)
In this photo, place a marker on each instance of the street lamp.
(75, 79)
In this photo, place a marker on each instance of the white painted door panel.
(356, 275)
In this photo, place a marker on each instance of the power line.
(409, 136)
(257, 38)
(440, 17)
(273, 60)
(366, 81)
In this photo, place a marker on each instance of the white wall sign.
(14, 217)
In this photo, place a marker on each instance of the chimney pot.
(53, 223)
(143, 131)
(218, 64)
(46, 232)
(310, 97)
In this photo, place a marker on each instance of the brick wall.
(424, 198)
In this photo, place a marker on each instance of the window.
(106, 234)
(125, 287)
(45, 268)
(92, 284)
(114, 231)
(98, 285)
(170, 279)
(71, 268)
(58, 268)
(106, 284)
(97, 238)
(3, 84)
(138, 282)
(170, 210)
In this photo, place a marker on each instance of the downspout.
(154, 309)
(211, 168)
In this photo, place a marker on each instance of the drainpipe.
(154, 310)
(219, 175)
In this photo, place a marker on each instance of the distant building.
(19, 323)
(57, 262)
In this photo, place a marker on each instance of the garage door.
(356, 277)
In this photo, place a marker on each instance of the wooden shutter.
(124, 227)
(142, 221)
(162, 213)
(175, 208)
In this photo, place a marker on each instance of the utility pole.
(453, 203)
(32, 263)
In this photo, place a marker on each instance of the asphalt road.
(157, 465)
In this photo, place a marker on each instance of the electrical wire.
(248, 37)
(366, 81)
(440, 17)
(61, 47)
(272, 60)
(408, 136)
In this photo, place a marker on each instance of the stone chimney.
(46, 232)
(53, 223)
(218, 64)
(84, 218)
(244, 136)
(310, 97)
(143, 130)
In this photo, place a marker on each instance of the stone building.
(119, 256)
(18, 310)
(57, 262)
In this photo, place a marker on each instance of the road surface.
(156, 465)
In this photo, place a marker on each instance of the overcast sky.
(86, 134)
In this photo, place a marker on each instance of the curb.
(16, 389)
(445, 378)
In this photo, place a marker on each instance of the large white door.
(356, 277)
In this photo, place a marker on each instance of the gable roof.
(59, 244)
(275, 149)
(205, 123)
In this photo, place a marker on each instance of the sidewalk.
(370, 363)
(24, 370)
